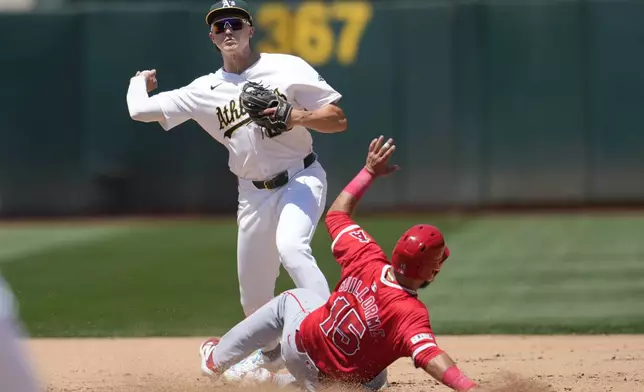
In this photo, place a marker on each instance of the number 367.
(307, 31)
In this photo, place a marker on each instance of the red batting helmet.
(420, 252)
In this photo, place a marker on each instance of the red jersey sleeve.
(350, 242)
(417, 339)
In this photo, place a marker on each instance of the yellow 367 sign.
(307, 30)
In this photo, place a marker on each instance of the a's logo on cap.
(228, 3)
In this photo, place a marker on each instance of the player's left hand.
(378, 157)
(270, 112)
(266, 108)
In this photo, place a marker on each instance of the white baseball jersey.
(213, 102)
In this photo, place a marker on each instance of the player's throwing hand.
(150, 79)
(379, 155)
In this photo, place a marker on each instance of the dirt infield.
(532, 363)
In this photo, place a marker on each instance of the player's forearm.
(353, 192)
(443, 369)
(140, 105)
(327, 119)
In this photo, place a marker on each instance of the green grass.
(507, 274)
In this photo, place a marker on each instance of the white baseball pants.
(276, 226)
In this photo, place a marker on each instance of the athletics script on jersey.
(367, 302)
(233, 116)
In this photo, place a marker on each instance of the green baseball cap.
(229, 7)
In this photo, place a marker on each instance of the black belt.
(282, 178)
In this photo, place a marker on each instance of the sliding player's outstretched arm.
(444, 369)
(350, 242)
(376, 166)
(418, 342)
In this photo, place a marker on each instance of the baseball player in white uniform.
(16, 372)
(282, 186)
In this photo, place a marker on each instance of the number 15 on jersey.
(344, 326)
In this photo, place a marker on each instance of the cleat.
(257, 376)
(208, 366)
(256, 366)
(249, 364)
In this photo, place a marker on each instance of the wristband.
(358, 186)
(455, 379)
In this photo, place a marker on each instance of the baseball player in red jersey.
(373, 316)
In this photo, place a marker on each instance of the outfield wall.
(490, 103)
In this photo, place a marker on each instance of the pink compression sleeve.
(358, 186)
(455, 379)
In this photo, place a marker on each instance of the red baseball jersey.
(369, 321)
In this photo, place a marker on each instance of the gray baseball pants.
(279, 318)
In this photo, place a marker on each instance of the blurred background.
(493, 104)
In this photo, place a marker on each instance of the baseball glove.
(256, 98)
